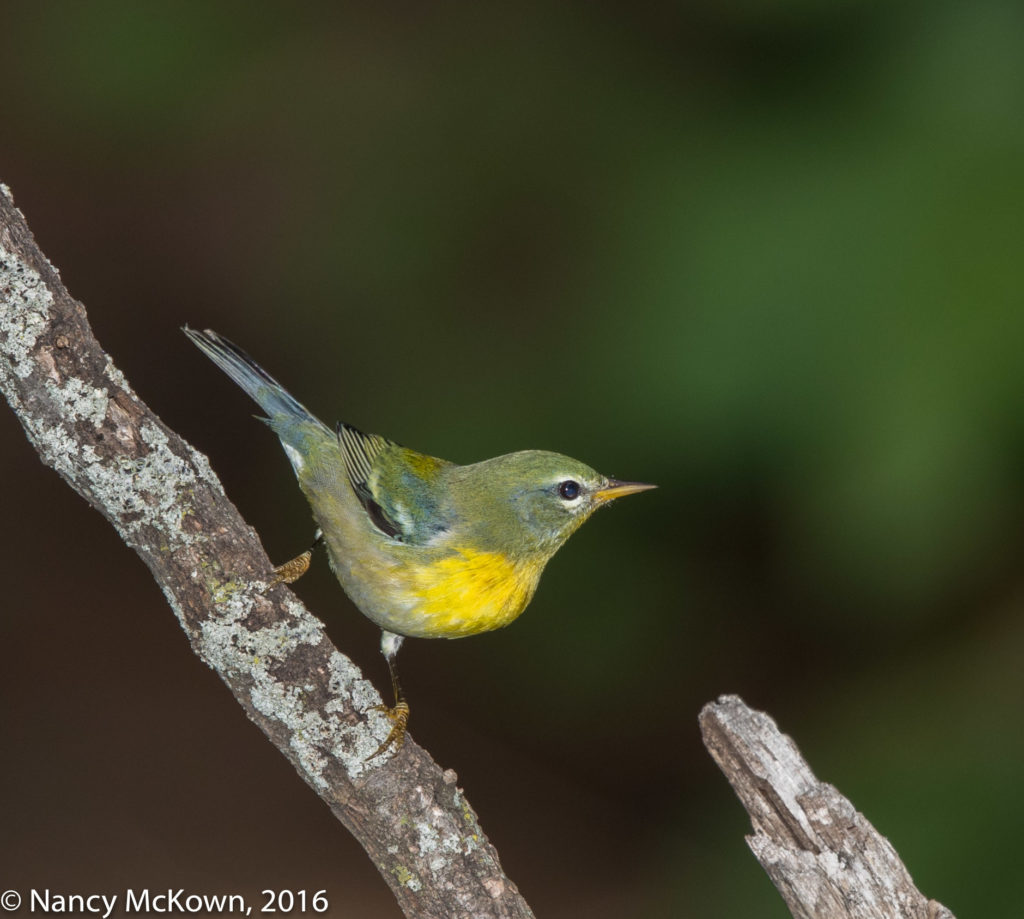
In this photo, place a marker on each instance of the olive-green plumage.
(424, 547)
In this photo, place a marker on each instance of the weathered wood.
(166, 503)
(825, 858)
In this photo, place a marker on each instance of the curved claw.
(399, 716)
(292, 570)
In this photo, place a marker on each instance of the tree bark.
(824, 857)
(166, 503)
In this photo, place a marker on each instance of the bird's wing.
(359, 451)
(396, 486)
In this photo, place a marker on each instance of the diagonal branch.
(824, 857)
(166, 503)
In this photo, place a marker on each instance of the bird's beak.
(615, 489)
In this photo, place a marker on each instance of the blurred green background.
(767, 255)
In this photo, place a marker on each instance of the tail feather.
(271, 396)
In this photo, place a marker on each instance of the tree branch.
(824, 857)
(166, 503)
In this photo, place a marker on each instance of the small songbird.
(425, 548)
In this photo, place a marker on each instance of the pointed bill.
(616, 489)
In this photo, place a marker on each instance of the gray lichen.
(24, 312)
(81, 402)
(231, 648)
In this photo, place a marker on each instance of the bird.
(424, 548)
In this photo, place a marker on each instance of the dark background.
(765, 255)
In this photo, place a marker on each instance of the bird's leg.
(398, 714)
(291, 571)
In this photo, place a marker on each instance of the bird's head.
(533, 501)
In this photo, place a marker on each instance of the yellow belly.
(466, 593)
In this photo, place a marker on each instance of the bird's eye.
(569, 489)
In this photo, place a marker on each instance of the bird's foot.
(291, 571)
(399, 718)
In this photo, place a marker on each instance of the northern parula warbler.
(424, 548)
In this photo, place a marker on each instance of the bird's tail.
(283, 409)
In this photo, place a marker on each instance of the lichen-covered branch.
(825, 858)
(162, 497)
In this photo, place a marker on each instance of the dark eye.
(569, 489)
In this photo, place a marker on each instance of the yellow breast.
(468, 592)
